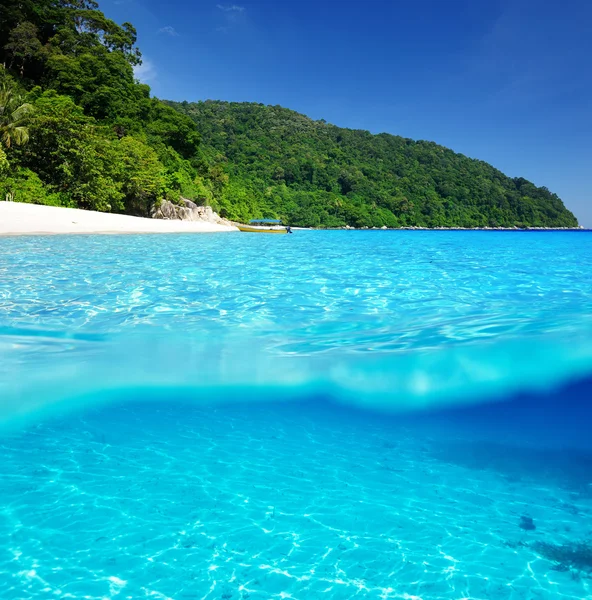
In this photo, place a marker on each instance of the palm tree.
(14, 115)
(337, 203)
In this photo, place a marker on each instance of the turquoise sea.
(334, 415)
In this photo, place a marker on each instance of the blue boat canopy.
(266, 221)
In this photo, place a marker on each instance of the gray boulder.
(188, 211)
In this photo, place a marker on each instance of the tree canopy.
(281, 163)
(96, 139)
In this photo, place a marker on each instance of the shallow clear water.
(322, 415)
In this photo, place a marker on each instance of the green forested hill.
(281, 163)
(77, 129)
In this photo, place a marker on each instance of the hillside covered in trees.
(77, 129)
(315, 174)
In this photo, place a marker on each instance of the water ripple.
(331, 308)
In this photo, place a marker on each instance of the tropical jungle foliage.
(315, 174)
(86, 133)
(77, 129)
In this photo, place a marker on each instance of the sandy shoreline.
(34, 219)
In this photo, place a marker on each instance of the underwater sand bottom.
(153, 501)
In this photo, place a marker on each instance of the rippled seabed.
(169, 478)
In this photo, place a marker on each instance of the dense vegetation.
(77, 129)
(312, 173)
(96, 139)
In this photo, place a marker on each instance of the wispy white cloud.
(230, 8)
(169, 30)
(233, 15)
(145, 72)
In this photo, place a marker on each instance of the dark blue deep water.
(389, 415)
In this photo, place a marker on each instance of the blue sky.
(505, 81)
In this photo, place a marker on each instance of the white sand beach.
(29, 219)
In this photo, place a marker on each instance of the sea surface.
(334, 415)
